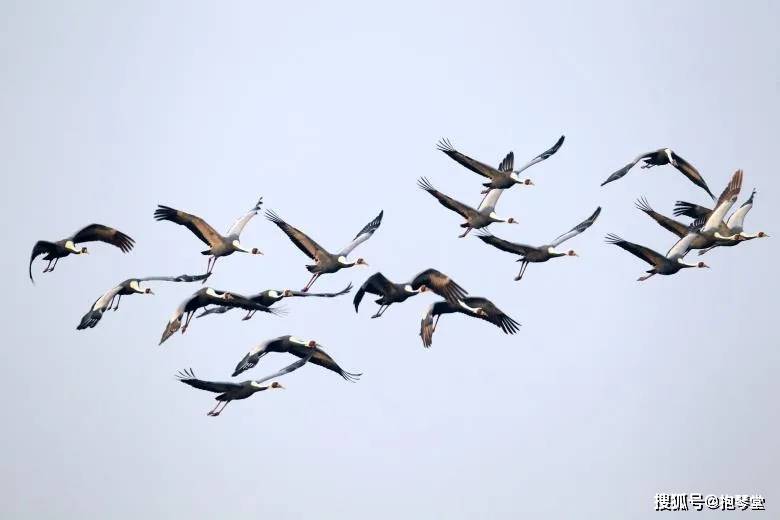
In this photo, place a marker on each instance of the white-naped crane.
(127, 288)
(532, 254)
(474, 306)
(53, 251)
(219, 245)
(297, 347)
(230, 391)
(478, 218)
(202, 298)
(390, 292)
(324, 261)
(661, 157)
(503, 177)
(734, 225)
(667, 264)
(271, 296)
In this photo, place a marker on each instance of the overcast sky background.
(612, 390)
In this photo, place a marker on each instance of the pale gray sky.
(611, 392)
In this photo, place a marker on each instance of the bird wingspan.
(645, 253)
(678, 228)
(440, 284)
(445, 200)
(691, 173)
(474, 165)
(238, 225)
(576, 230)
(309, 247)
(202, 229)
(109, 235)
(187, 376)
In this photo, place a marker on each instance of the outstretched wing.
(286, 370)
(207, 234)
(109, 235)
(645, 253)
(678, 228)
(576, 230)
(180, 278)
(490, 200)
(363, 235)
(302, 294)
(725, 201)
(690, 210)
(309, 247)
(508, 163)
(446, 201)
(682, 246)
(481, 168)
(439, 283)
(624, 170)
(544, 155)
(505, 245)
(41, 247)
(692, 173)
(491, 314)
(239, 224)
(187, 376)
(737, 219)
(321, 358)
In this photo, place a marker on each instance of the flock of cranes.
(710, 228)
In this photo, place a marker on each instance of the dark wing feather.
(508, 164)
(188, 378)
(345, 290)
(197, 225)
(439, 283)
(690, 210)
(692, 173)
(321, 358)
(678, 228)
(576, 230)
(180, 278)
(447, 202)
(492, 314)
(309, 247)
(242, 302)
(109, 235)
(505, 245)
(481, 168)
(645, 253)
(624, 170)
(41, 247)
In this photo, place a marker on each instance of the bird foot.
(375, 316)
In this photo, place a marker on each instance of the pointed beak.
(281, 387)
(150, 292)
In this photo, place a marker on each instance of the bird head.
(702, 264)
(256, 251)
(148, 291)
(360, 261)
(511, 220)
(287, 293)
(761, 234)
(276, 385)
(311, 344)
(571, 252)
(83, 251)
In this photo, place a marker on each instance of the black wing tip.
(351, 377)
(682, 208)
(425, 184)
(612, 238)
(273, 217)
(185, 375)
(642, 205)
(444, 145)
(164, 212)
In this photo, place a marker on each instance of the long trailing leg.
(187, 321)
(118, 299)
(643, 278)
(465, 232)
(46, 269)
(210, 267)
(311, 282)
(523, 267)
(435, 323)
(380, 311)
(248, 315)
(220, 410)
(211, 412)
